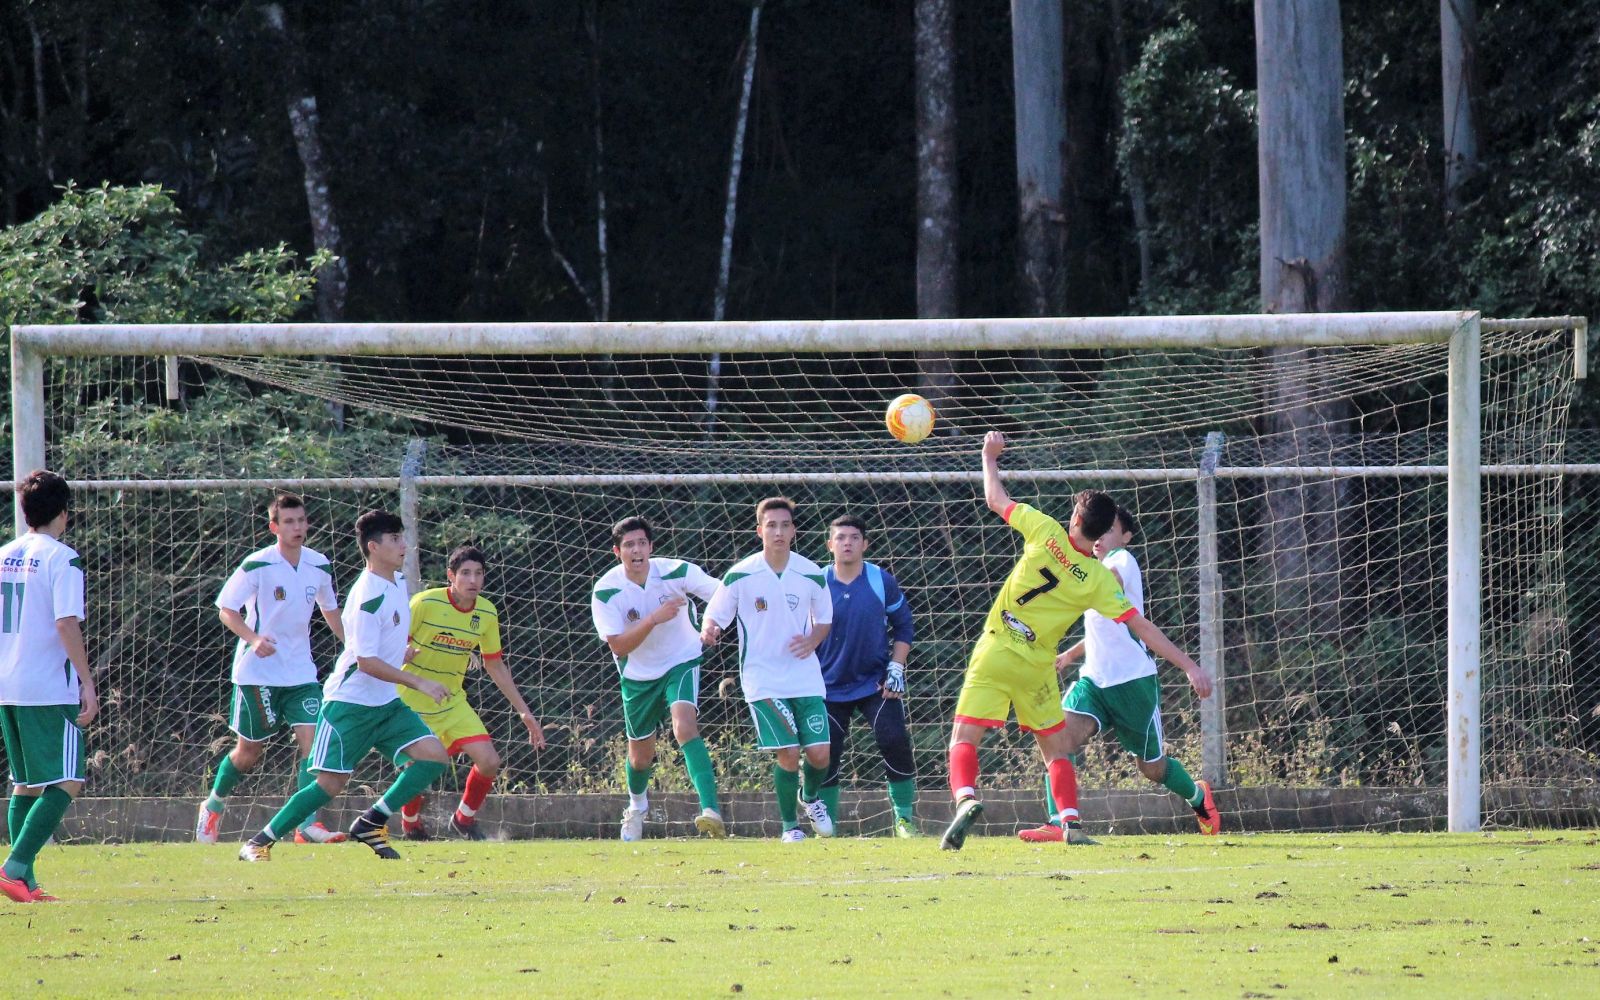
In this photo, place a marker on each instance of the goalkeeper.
(864, 667)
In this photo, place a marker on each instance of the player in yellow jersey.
(1054, 582)
(448, 625)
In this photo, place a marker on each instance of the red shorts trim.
(985, 723)
(455, 747)
(1044, 732)
(1125, 615)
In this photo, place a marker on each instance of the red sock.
(1064, 788)
(963, 769)
(411, 813)
(472, 796)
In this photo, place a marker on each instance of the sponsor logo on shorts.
(1017, 625)
(787, 713)
(761, 604)
(279, 594)
(633, 614)
(794, 601)
(268, 714)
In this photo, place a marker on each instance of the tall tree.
(937, 216)
(1301, 156)
(1037, 69)
(1458, 36)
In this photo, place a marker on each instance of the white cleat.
(793, 836)
(817, 813)
(255, 852)
(206, 825)
(632, 825)
(710, 823)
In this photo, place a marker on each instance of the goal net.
(1292, 506)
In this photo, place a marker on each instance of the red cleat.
(15, 888)
(40, 896)
(1046, 834)
(1206, 813)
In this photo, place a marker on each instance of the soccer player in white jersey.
(780, 600)
(1117, 689)
(267, 602)
(361, 706)
(47, 694)
(641, 611)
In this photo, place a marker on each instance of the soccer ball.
(910, 418)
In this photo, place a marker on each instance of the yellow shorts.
(454, 721)
(998, 679)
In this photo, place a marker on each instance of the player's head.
(286, 517)
(632, 541)
(382, 538)
(45, 499)
(775, 524)
(1092, 514)
(466, 569)
(847, 539)
(1123, 528)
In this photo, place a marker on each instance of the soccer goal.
(1353, 520)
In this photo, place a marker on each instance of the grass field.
(1504, 915)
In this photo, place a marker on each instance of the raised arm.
(994, 491)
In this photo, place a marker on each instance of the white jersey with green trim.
(41, 582)
(771, 608)
(276, 599)
(377, 620)
(1111, 654)
(618, 604)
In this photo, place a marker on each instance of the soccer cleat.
(40, 896)
(905, 828)
(375, 836)
(251, 851)
(316, 833)
(16, 888)
(1206, 813)
(1047, 834)
(792, 836)
(632, 825)
(414, 831)
(817, 814)
(206, 825)
(967, 812)
(467, 831)
(1075, 835)
(710, 823)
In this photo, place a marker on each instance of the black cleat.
(967, 813)
(374, 835)
(467, 831)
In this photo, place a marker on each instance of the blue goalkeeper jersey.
(869, 613)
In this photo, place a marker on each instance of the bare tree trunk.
(1037, 70)
(1458, 36)
(937, 216)
(1301, 153)
(719, 299)
(1136, 195)
(601, 242)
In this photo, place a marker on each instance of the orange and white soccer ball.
(910, 418)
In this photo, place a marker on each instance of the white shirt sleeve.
(722, 607)
(365, 637)
(66, 588)
(700, 583)
(822, 606)
(238, 591)
(327, 596)
(607, 619)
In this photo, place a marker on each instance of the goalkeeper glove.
(895, 681)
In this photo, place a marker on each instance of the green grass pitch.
(1508, 914)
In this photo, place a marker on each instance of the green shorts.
(1132, 708)
(259, 712)
(789, 722)
(44, 745)
(345, 733)
(647, 704)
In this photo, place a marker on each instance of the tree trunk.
(1300, 76)
(1458, 36)
(1137, 201)
(937, 217)
(1037, 70)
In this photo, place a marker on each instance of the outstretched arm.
(994, 491)
(1158, 643)
(495, 667)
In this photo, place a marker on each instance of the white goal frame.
(1461, 330)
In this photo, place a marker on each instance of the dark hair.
(848, 521)
(774, 503)
(465, 554)
(1095, 511)
(1126, 517)
(283, 501)
(44, 496)
(373, 525)
(628, 526)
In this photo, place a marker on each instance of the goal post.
(1458, 333)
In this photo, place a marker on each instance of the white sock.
(640, 802)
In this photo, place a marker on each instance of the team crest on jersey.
(311, 595)
(397, 617)
(761, 604)
(1017, 625)
(794, 601)
(633, 614)
(475, 622)
(279, 594)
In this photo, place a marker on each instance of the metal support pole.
(410, 469)
(27, 417)
(1464, 687)
(1213, 710)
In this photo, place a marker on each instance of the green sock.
(697, 761)
(1178, 782)
(227, 777)
(787, 784)
(42, 821)
(639, 781)
(413, 781)
(903, 795)
(811, 780)
(830, 798)
(1051, 819)
(301, 804)
(304, 778)
(17, 814)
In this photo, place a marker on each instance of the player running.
(641, 612)
(1013, 662)
(267, 602)
(449, 624)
